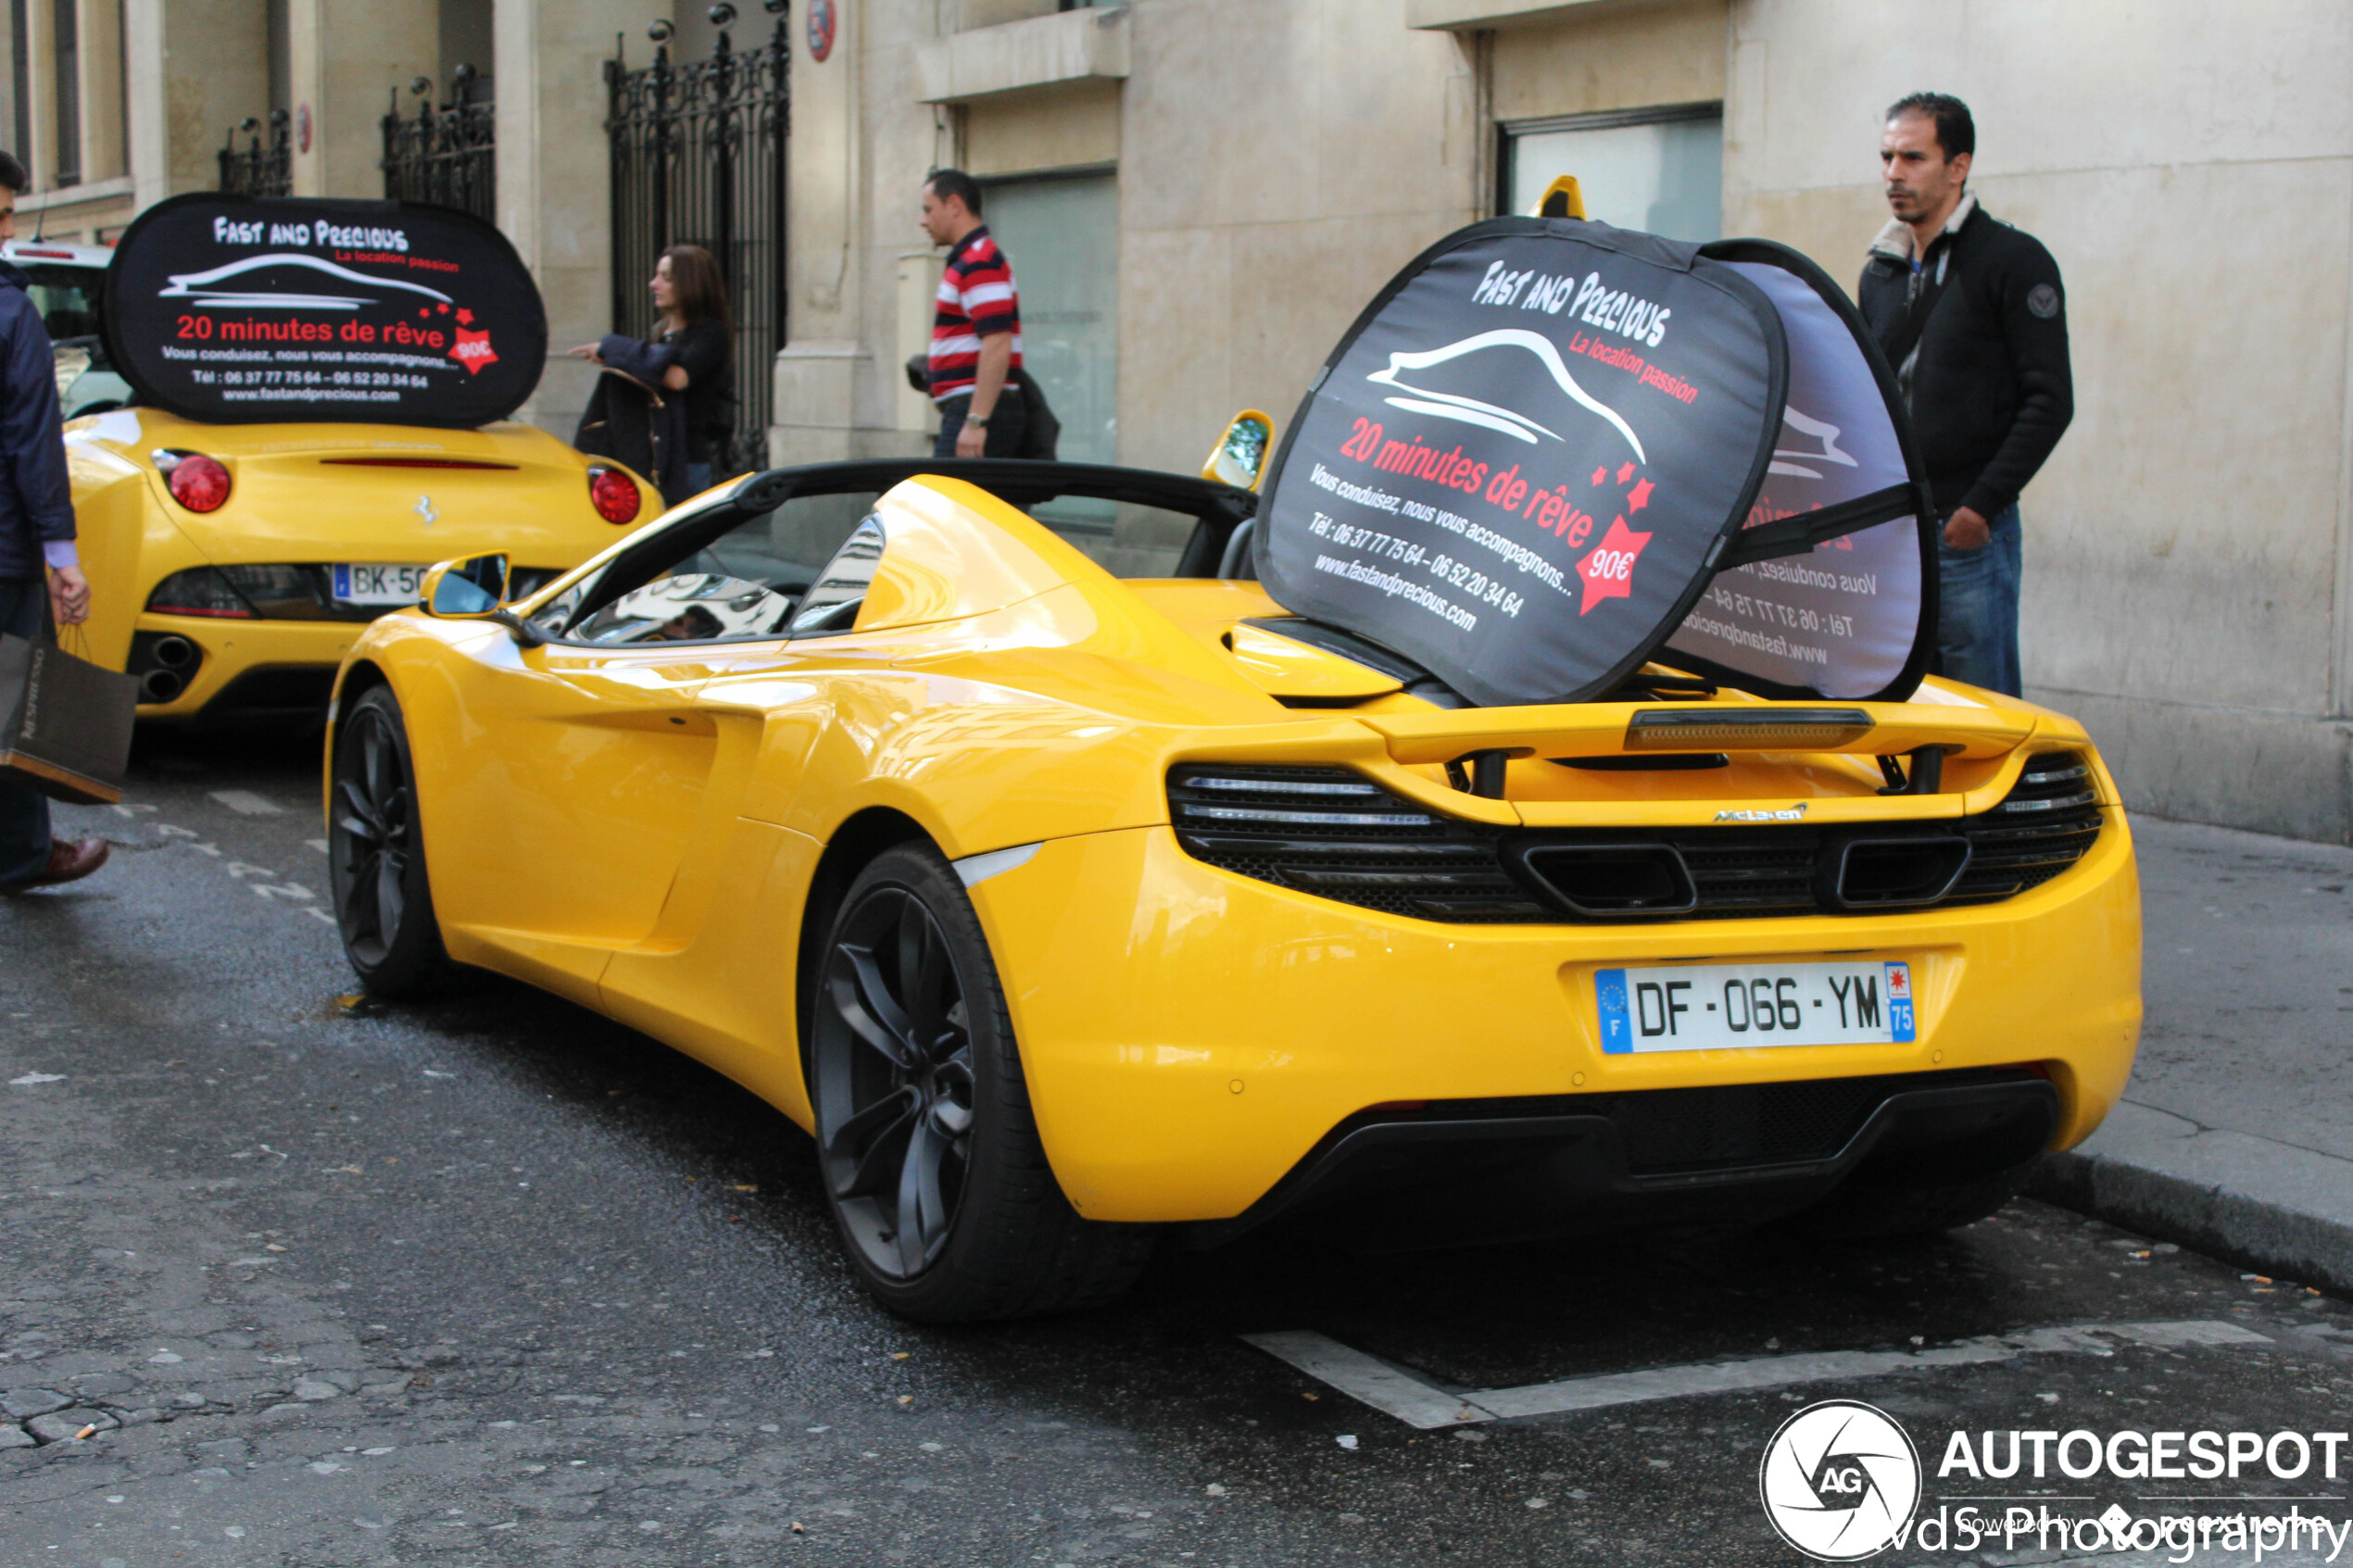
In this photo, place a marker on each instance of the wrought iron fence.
(698, 158)
(447, 155)
(262, 170)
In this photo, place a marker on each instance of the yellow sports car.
(1012, 828)
(231, 567)
(319, 392)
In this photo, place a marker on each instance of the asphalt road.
(499, 1282)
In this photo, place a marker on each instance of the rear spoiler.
(1616, 728)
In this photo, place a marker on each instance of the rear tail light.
(1334, 833)
(199, 591)
(197, 482)
(613, 493)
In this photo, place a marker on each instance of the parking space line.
(1374, 1383)
(245, 803)
(1418, 1403)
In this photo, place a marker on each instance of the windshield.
(67, 299)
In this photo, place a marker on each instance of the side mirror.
(1561, 199)
(472, 587)
(1239, 457)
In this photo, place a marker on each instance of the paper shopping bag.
(65, 725)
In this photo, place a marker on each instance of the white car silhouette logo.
(1470, 411)
(205, 288)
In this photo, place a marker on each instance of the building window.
(1062, 233)
(69, 52)
(1660, 170)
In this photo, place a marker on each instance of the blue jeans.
(1977, 608)
(697, 477)
(24, 810)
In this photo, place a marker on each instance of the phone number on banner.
(1475, 584)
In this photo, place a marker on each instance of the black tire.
(1860, 1213)
(930, 1155)
(376, 859)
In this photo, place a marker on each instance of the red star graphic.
(1640, 496)
(465, 317)
(443, 308)
(473, 350)
(1608, 571)
(1600, 474)
(1625, 473)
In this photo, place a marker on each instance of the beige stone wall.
(1279, 160)
(350, 60)
(554, 196)
(193, 69)
(1633, 56)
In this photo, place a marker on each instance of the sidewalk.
(2235, 1135)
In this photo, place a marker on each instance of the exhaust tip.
(174, 653)
(161, 686)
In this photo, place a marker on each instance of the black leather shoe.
(68, 863)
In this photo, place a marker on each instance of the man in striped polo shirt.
(976, 331)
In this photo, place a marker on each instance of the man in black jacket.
(1971, 314)
(37, 557)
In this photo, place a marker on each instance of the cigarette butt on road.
(91, 1431)
(798, 1528)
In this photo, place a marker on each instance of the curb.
(2284, 1211)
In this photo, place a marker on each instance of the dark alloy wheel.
(896, 1162)
(931, 1160)
(384, 904)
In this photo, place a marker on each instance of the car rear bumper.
(261, 669)
(1193, 1039)
(1493, 1171)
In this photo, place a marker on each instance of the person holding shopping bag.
(41, 580)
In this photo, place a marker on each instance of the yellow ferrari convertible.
(1032, 835)
(319, 401)
(231, 567)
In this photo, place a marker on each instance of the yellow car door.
(582, 786)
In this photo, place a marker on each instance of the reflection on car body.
(698, 606)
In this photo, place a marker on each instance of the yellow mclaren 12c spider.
(1012, 828)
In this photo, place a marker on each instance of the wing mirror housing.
(1239, 457)
(467, 588)
(475, 588)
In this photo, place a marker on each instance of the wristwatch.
(976, 421)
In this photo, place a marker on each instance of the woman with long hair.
(696, 327)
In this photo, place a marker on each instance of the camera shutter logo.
(1840, 1480)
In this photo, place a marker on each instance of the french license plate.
(378, 585)
(1742, 1006)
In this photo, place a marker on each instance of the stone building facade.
(1199, 194)
(2189, 549)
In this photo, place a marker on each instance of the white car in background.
(68, 281)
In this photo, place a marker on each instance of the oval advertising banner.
(1828, 591)
(244, 310)
(1523, 462)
